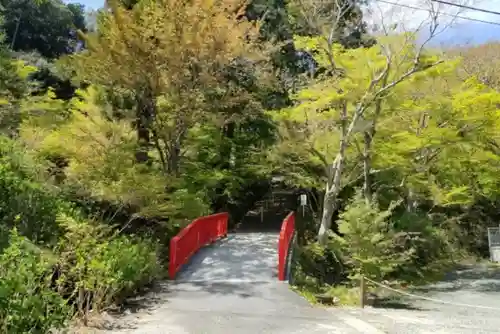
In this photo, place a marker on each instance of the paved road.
(232, 288)
(472, 285)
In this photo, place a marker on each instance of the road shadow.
(477, 278)
(145, 301)
(396, 304)
(242, 290)
(243, 256)
(123, 317)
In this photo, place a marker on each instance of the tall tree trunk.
(175, 145)
(411, 199)
(221, 199)
(228, 132)
(367, 165)
(161, 152)
(144, 116)
(174, 158)
(329, 207)
(333, 185)
(368, 137)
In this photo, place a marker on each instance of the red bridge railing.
(286, 235)
(202, 231)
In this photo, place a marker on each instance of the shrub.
(91, 264)
(382, 244)
(319, 262)
(23, 201)
(367, 245)
(433, 244)
(98, 268)
(27, 302)
(30, 206)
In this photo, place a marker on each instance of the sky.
(461, 32)
(454, 21)
(91, 4)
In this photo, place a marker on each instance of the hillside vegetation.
(115, 135)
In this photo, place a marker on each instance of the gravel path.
(473, 285)
(231, 287)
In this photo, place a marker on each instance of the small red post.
(286, 233)
(172, 268)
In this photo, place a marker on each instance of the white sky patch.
(410, 15)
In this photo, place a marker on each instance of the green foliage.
(23, 202)
(94, 265)
(27, 302)
(429, 244)
(48, 27)
(100, 159)
(13, 87)
(310, 268)
(381, 244)
(373, 245)
(99, 268)
(230, 163)
(368, 240)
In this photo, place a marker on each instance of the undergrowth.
(380, 244)
(55, 261)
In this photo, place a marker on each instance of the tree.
(172, 58)
(481, 61)
(13, 88)
(350, 100)
(48, 27)
(311, 18)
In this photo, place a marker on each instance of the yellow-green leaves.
(429, 129)
(24, 70)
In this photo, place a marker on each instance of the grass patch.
(307, 294)
(344, 295)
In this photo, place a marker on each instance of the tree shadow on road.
(396, 302)
(122, 318)
(240, 289)
(245, 256)
(478, 278)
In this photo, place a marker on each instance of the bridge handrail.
(286, 235)
(201, 232)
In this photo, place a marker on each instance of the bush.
(314, 264)
(433, 246)
(30, 205)
(99, 268)
(389, 244)
(367, 245)
(383, 244)
(91, 265)
(27, 302)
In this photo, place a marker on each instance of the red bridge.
(234, 283)
(208, 230)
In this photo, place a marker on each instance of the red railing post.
(286, 234)
(189, 240)
(173, 258)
